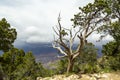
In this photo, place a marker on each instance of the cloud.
(34, 19)
(84, 2)
(95, 38)
(14, 3)
(35, 35)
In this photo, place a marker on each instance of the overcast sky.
(34, 19)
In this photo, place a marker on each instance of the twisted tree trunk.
(70, 64)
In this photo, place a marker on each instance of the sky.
(34, 19)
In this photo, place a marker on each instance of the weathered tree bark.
(70, 65)
(87, 23)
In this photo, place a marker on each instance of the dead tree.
(86, 23)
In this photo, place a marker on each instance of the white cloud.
(95, 38)
(34, 19)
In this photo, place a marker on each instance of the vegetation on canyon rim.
(102, 17)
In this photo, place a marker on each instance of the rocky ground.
(105, 76)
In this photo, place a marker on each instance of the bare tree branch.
(59, 48)
(76, 34)
(61, 56)
(55, 31)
